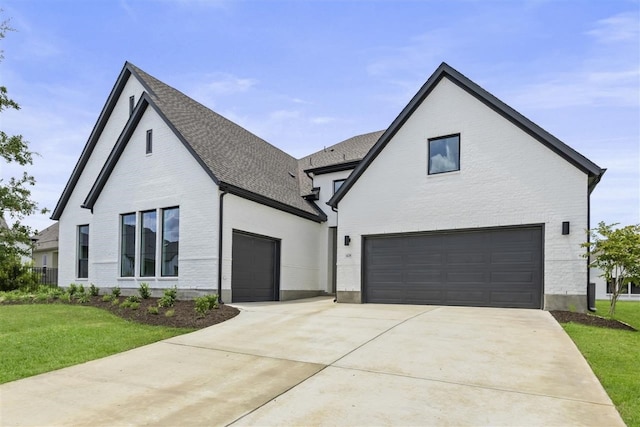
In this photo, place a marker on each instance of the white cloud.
(225, 84)
(617, 28)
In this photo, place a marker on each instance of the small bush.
(125, 304)
(115, 301)
(72, 289)
(42, 297)
(94, 291)
(169, 297)
(170, 313)
(205, 303)
(115, 291)
(107, 298)
(153, 310)
(15, 275)
(81, 290)
(133, 298)
(56, 293)
(66, 297)
(144, 291)
(83, 298)
(134, 305)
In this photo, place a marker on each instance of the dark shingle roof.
(351, 149)
(47, 238)
(234, 155)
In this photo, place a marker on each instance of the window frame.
(336, 181)
(149, 142)
(164, 253)
(142, 251)
(439, 138)
(80, 259)
(123, 244)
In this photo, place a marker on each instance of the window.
(444, 154)
(337, 184)
(170, 241)
(627, 288)
(44, 260)
(149, 145)
(83, 251)
(132, 104)
(148, 244)
(127, 245)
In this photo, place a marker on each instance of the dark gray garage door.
(254, 268)
(489, 268)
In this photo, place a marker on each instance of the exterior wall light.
(347, 240)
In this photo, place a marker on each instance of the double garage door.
(489, 268)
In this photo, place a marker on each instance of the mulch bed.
(590, 320)
(184, 313)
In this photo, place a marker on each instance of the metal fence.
(48, 276)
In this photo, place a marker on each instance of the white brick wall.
(73, 214)
(300, 252)
(506, 178)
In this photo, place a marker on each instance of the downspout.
(220, 217)
(589, 307)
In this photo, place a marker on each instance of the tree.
(616, 252)
(15, 195)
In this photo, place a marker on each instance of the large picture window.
(170, 241)
(83, 252)
(444, 154)
(127, 245)
(148, 244)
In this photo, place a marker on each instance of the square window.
(444, 154)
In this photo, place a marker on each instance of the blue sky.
(308, 74)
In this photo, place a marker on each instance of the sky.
(304, 75)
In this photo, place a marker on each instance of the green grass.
(614, 356)
(41, 338)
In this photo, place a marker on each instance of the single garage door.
(254, 268)
(488, 268)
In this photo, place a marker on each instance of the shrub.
(72, 289)
(42, 297)
(107, 297)
(125, 304)
(134, 305)
(115, 291)
(93, 290)
(133, 299)
(170, 313)
(81, 290)
(15, 275)
(115, 301)
(144, 291)
(169, 297)
(205, 303)
(152, 310)
(83, 298)
(65, 297)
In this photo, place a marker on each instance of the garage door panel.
(253, 268)
(496, 267)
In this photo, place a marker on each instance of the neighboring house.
(460, 201)
(630, 292)
(45, 247)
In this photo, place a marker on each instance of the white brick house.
(460, 201)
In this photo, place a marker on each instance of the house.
(630, 292)
(461, 201)
(45, 247)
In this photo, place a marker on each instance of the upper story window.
(444, 154)
(132, 104)
(149, 143)
(337, 184)
(83, 252)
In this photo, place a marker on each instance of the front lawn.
(43, 337)
(614, 356)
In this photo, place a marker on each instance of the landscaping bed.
(590, 320)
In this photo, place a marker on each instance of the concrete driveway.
(314, 362)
